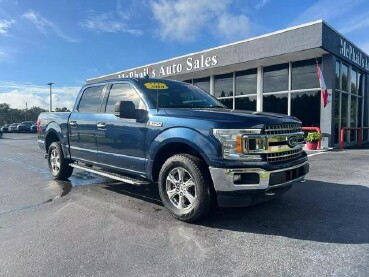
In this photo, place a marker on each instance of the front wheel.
(185, 187)
(58, 165)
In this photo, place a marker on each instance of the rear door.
(121, 141)
(82, 125)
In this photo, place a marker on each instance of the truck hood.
(226, 118)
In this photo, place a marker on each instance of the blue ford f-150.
(179, 137)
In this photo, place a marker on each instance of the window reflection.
(223, 85)
(338, 75)
(246, 82)
(304, 75)
(353, 116)
(344, 70)
(337, 96)
(276, 103)
(203, 83)
(306, 107)
(359, 111)
(275, 78)
(246, 103)
(360, 83)
(344, 108)
(228, 102)
(353, 81)
(90, 101)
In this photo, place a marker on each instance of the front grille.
(282, 129)
(283, 156)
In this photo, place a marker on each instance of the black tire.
(198, 189)
(58, 165)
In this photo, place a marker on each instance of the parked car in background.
(33, 128)
(5, 128)
(13, 128)
(24, 126)
(1, 133)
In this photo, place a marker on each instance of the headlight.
(233, 144)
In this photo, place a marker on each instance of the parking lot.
(99, 227)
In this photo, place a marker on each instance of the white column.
(259, 95)
(289, 87)
(234, 90)
(212, 85)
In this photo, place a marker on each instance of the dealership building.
(277, 72)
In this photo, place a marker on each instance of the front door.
(121, 141)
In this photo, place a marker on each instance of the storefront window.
(360, 83)
(203, 83)
(276, 103)
(275, 78)
(344, 77)
(338, 76)
(353, 81)
(344, 108)
(223, 85)
(336, 116)
(246, 103)
(353, 116)
(228, 102)
(304, 75)
(359, 111)
(246, 82)
(306, 107)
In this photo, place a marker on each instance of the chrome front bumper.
(224, 179)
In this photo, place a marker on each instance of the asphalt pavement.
(93, 226)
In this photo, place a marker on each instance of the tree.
(9, 115)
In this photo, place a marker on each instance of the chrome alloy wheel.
(55, 161)
(181, 188)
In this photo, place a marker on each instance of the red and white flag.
(323, 87)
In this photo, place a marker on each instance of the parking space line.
(314, 154)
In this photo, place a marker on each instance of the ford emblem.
(292, 141)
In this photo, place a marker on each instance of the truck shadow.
(148, 193)
(314, 211)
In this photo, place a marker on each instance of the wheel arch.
(170, 149)
(174, 141)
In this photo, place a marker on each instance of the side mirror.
(125, 109)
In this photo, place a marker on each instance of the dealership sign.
(190, 64)
(352, 53)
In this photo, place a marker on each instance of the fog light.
(237, 178)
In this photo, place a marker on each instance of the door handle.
(101, 125)
(73, 124)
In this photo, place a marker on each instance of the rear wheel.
(58, 164)
(185, 187)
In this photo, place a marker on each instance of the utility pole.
(51, 101)
(25, 113)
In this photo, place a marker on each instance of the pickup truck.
(172, 134)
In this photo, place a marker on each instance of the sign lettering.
(190, 64)
(353, 54)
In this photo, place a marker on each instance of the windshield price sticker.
(154, 85)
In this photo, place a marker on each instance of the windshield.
(170, 94)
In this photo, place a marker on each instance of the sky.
(69, 41)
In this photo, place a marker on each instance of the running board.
(114, 176)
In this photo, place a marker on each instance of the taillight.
(38, 126)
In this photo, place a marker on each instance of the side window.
(123, 92)
(90, 101)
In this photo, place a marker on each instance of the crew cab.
(174, 135)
